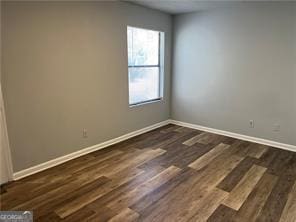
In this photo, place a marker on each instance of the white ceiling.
(185, 6)
(182, 6)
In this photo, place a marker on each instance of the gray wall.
(294, 86)
(64, 68)
(235, 64)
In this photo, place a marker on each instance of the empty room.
(148, 110)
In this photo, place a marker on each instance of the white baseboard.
(237, 136)
(51, 163)
(43, 166)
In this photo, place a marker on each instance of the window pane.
(143, 84)
(143, 46)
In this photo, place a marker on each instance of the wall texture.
(236, 64)
(64, 68)
(294, 85)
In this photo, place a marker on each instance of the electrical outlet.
(84, 133)
(251, 123)
(276, 127)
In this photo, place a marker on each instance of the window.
(144, 65)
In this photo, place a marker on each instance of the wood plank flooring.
(169, 174)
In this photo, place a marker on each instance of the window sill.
(146, 102)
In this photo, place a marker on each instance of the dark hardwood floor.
(169, 174)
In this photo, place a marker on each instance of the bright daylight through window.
(144, 65)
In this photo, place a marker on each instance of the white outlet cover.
(251, 123)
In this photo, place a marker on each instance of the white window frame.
(160, 66)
